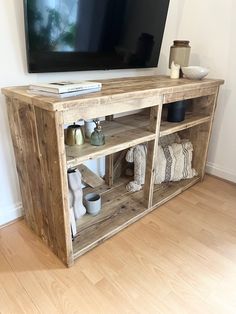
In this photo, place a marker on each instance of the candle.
(175, 69)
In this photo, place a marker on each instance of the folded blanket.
(173, 162)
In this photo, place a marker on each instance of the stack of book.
(65, 89)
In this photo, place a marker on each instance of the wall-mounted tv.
(72, 35)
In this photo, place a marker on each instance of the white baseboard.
(10, 213)
(223, 173)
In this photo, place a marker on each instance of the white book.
(64, 95)
(65, 86)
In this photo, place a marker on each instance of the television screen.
(72, 35)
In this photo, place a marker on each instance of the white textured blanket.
(173, 163)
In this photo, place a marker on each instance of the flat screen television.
(72, 35)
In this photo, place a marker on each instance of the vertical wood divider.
(155, 120)
(64, 186)
(201, 140)
(109, 162)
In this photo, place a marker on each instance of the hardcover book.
(64, 95)
(65, 86)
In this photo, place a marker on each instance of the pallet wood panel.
(13, 107)
(190, 121)
(200, 134)
(89, 109)
(189, 94)
(117, 91)
(166, 191)
(152, 146)
(39, 174)
(56, 230)
(89, 177)
(109, 161)
(204, 105)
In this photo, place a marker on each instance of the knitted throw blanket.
(173, 163)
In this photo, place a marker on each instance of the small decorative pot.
(176, 111)
(74, 135)
(89, 127)
(93, 203)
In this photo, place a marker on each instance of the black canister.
(176, 111)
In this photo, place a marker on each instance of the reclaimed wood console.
(37, 129)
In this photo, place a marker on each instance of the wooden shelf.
(121, 133)
(126, 132)
(165, 191)
(119, 209)
(190, 120)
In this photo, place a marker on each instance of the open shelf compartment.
(122, 133)
(120, 209)
(190, 121)
(165, 191)
(125, 132)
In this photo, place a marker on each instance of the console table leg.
(155, 120)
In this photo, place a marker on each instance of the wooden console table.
(37, 129)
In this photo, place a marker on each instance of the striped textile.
(173, 162)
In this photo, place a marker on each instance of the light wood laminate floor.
(179, 259)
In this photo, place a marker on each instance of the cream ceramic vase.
(180, 53)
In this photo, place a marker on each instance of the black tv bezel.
(43, 68)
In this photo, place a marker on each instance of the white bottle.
(89, 127)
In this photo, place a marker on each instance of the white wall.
(210, 26)
(207, 24)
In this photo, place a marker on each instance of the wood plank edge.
(185, 126)
(78, 160)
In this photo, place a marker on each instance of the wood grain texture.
(120, 209)
(119, 166)
(179, 259)
(36, 137)
(55, 212)
(13, 107)
(152, 146)
(89, 177)
(190, 121)
(119, 95)
(200, 134)
(190, 94)
(109, 161)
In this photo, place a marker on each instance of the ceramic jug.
(74, 135)
(180, 53)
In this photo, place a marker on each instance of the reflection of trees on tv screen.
(52, 28)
